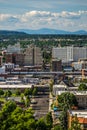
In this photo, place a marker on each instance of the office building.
(19, 59)
(69, 53)
(33, 56)
(16, 58)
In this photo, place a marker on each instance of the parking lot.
(41, 104)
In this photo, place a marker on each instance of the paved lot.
(41, 107)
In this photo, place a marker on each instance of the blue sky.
(70, 15)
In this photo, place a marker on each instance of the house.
(64, 86)
(80, 116)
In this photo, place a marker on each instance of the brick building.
(56, 65)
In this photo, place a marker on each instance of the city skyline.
(69, 15)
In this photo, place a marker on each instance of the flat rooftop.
(74, 92)
(79, 113)
(16, 86)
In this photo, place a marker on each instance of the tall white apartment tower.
(79, 52)
(69, 53)
(59, 53)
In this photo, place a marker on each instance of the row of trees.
(25, 96)
(27, 91)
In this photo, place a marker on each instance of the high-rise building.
(16, 58)
(33, 56)
(19, 59)
(69, 53)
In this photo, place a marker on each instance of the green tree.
(27, 101)
(63, 120)
(57, 127)
(82, 87)
(34, 92)
(17, 92)
(9, 107)
(8, 93)
(49, 120)
(22, 98)
(30, 124)
(41, 125)
(75, 125)
(67, 100)
(15, 118)
(51, 85)
(47, 56)
(43, 66)
(1, 92)
(28, 91)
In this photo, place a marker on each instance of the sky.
(68, 15)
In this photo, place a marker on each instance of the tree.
(82, 87)
(51, 85)
(41, 125)
(47, 56)
(28, 92)
(17, 92)
(8, 93)
(75, 125)
(30, 124)
(22, 98)
(27, 101)
(49, 120)
(63, 120)
(66, 100)
(9, 107)
(58, 127)
(15, 118)
(43, 66)
(34, 91)
(1, 92)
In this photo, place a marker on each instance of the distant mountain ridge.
(51, 31)
(10, 32)
(43, 31)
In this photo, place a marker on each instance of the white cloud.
(4, 17)
(39, 19)
(46, 14)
